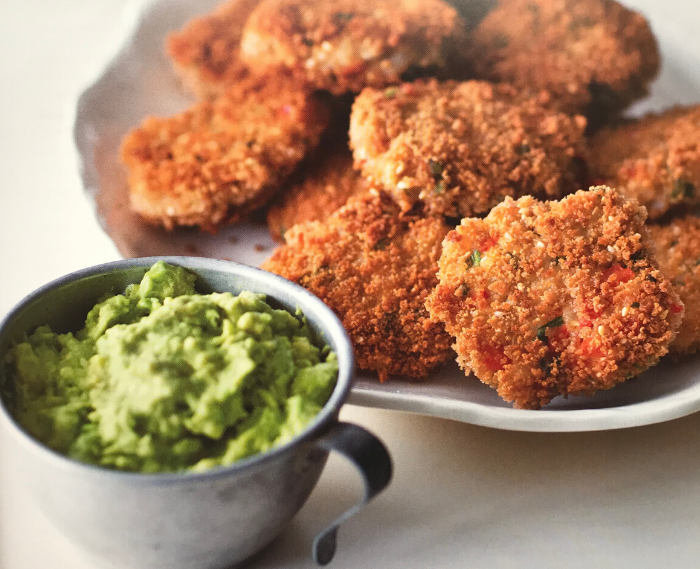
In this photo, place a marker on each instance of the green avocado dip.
(162, 379)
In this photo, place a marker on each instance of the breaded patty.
(327, 184)
(206, 51)
(677, 250)
(555, 298)
(655, 159)
(375, 270)
(217, 161)
(346, 45)
(593, 56)
(460, 148)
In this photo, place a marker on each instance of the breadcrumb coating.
(375, 269)
(676, 247)
(346, 45)
(655, 160)
(219, 160)
(593, 56)
(327, 185)
(460, 148)
(555, 298)
(206, 51)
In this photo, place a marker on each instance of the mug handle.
(369, 455)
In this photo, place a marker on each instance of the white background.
(462, 496)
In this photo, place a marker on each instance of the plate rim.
(657, 410)
(130, 20)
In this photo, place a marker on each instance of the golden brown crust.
(586, 53)
(462, 147)
(328, 183)
(562, 298)
(375, 269)
(206, 51)
(677, 249)
(219, 160)
(346, 45)
(655, 160)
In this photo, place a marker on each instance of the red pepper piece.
(487, 243)
(453, 237)
(493, 357)
(620, 273)
(558, 334)
(481, 296)
(588, 350)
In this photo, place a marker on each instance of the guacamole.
(162, 379)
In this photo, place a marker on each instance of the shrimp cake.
(219, 160)
(327, 185)
(375, 269)
(346, 45)
(206, 51)
(655, 159)
(677, 250)
(460, 148)
(555, 298)
(593, 56)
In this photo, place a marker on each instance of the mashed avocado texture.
(162, 379)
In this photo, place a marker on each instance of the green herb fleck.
(635, 305)
(462, 290)
(542, 330)
(548, 362)
(390, 92)
(677, 189)
(523, 149)
(440, 187)
(307, 42)
(513, 260)
(436, 169)
(343, 17)
(474, 260)
(683, 188)
(382, 244)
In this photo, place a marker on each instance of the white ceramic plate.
(138, 81)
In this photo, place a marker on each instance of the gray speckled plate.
(138, 81)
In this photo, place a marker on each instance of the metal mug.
(205, 520)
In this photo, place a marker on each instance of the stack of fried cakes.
(377, 134)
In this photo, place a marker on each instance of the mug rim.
(322, 315)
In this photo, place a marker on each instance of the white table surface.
(462, 496)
